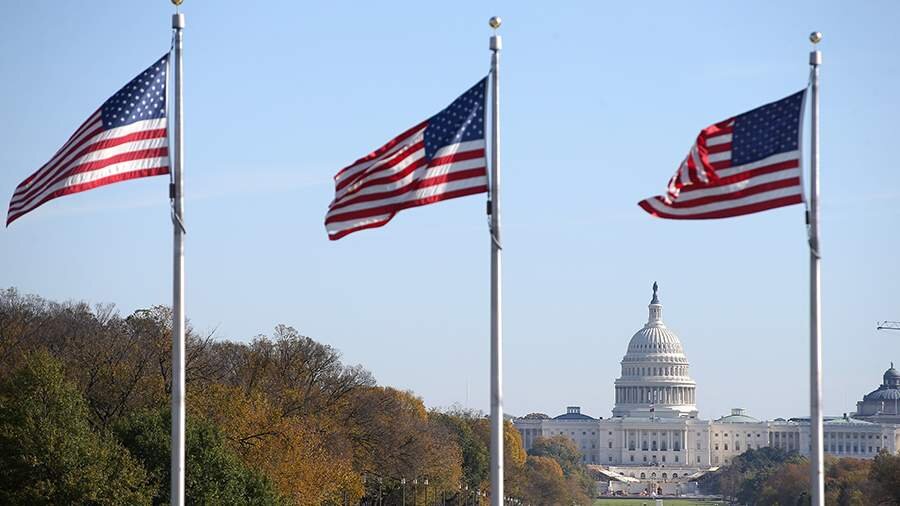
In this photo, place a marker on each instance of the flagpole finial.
(495, 22)
(815, 37)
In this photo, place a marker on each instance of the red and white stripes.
(92, 157)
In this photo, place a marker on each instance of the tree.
(476, 457)
(545, 483)
(307, 458)
(214, 474)
(566, 454)
(885, 475)
(48, 452)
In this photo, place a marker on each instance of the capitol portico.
(656, 442)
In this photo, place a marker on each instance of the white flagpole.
(817, 469)
(496, 320)
(176, 492)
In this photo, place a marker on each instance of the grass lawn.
(652, 502)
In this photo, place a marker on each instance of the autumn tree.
(566, 454)
(885, 478)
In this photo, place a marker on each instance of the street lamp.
(403, 490)
(426, 491)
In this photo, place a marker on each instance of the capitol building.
(656, 441)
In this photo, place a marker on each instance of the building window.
(664, 458)
(610, 458)
(643, 476)
(675, 475)
(665, 476)
(676, 460)
(698, 459)
(645, 458)
(717, 446)
(698, 445)
(632, 458)
(644, 445)
(610, 444)
(737, 447)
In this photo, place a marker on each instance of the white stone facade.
(655, 427)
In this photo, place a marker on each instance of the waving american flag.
(124, 139)
(439, 159)
(742, 165)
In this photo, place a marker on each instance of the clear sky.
(600, 102)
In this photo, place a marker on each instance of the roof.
(883, 393)
(847, 421)
(573, 416)
(737, 419)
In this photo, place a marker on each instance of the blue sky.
(600, 102)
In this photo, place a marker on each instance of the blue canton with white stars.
(141, 99)
(767, 130)
(461, 121)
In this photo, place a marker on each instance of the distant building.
(655, 440)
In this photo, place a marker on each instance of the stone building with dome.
(656, 441)
(880, 405)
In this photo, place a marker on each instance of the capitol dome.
(655, 380)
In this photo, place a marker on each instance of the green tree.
(214, 474)
(49, 453)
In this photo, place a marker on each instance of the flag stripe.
(431, 199)
(767, 173)
(103, 173)
(96, 161)
(88, 185)
(423, 189)
(406, 183)
(96, 151)
(348, 173)
(656, 207)
(736, 193)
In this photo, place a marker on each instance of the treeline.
(770, 476)
(84, 419)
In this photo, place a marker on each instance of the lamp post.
(426, 491)
(403, 491)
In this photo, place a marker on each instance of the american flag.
(439, 159)
(124, 139)
(745, 164)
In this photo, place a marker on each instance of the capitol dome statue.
(655, 380)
